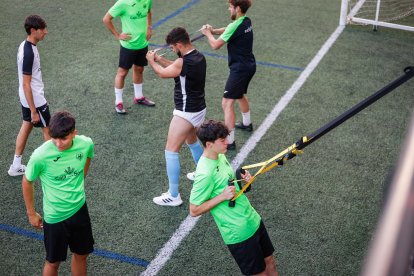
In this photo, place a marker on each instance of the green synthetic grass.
(320, 209)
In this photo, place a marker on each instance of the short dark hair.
(61, 124)
(34, 21)
(243, 4)
(212, 130)
(176, 35)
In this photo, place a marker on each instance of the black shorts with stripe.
(237, 84)
(44, 114)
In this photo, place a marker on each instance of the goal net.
(397, 14)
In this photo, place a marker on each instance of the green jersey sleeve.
(117, 9)
(34, 167)
(231, 28)
(202, 189)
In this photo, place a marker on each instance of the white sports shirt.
(28, 63)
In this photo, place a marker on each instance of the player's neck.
(187, 49)
(238, 15)
(210, 154)
(32, 40)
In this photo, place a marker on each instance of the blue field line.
(267, 64)
(192, 3)
(121, 258)
(98, 252)
(21, 232)
(177, 12)
(262, 63)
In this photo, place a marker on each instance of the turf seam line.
(167, 250)
(177, 12)
(262, 63)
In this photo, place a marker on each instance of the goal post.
(397, 14)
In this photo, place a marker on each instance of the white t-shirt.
(28, 63)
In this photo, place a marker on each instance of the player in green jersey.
(135, 16)
(61, 164)
(241, 227)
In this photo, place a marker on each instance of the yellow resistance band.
(270, 164)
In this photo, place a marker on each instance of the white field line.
(164, 254)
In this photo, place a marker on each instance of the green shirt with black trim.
(133, 15)
(239, 38)
(61, 175)
(236, 224)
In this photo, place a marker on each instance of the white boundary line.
(188, 224)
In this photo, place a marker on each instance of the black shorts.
(44, 115)
(237, 84)
(129, 57)
(75, 232)
(250, 254)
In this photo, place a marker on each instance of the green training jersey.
(133, 15)
(236, 224)
(61, 176)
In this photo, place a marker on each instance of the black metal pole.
(408, 74)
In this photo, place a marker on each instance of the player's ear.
(209, 145)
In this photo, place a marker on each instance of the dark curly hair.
(243, 4)
(35, 22)
(176, 35)
(61, 124)
(212, 130)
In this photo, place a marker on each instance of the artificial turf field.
(320, 209)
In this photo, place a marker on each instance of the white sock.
(246, 118)
(118, 95)
(230, 137)
(17, 161)
(138, 90)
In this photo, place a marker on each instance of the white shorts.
(194, 118)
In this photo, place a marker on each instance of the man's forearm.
(28, 196)
(197, 210)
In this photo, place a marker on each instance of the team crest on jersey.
(79, 156)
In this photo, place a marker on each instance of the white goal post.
(378, 13)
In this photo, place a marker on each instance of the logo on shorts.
(225, 91)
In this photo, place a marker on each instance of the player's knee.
(80, 258)
(270, 263)
(54, 265)
(138, 69)
(227, 105)
(121, 73)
